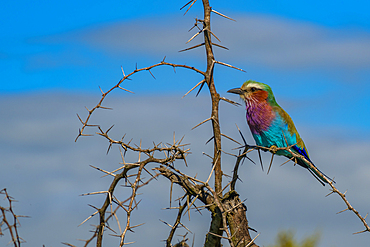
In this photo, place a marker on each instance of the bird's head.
(252, 91)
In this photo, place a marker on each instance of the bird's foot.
(273, 149)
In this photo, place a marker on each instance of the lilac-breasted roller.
(270, 125)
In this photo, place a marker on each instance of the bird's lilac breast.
(259, 117)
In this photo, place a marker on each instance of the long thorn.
(202, 81)
(200, 89)
(190, 48)
(259, 156)
(287, 161)
(228, 137)
(228, 65)
(195, 35)
(229, 101)
(214, 11)
(190, 6)
(223, 47)
(272, 158)
(186, 4)
(241, 134)
(201, 123)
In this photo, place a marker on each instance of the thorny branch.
(228, 212)
(195, 189)
(11, 224)
(174, 227)
(170, 153)
(214, 203)
(248, 149)
(118, 85)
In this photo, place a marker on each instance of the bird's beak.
(236, 91)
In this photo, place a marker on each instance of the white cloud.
(259, 39)
(286, 43)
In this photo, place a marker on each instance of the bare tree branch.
(228, 212)
(10, 220)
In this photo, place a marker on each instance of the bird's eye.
(253, 89)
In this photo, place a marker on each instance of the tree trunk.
(237, 220)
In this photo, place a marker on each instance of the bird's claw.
(273, 149)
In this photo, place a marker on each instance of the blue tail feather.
(303, 164)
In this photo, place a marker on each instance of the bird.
(272, 127)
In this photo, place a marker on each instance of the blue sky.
(28, 25)
(53, 56)
(314, 51)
